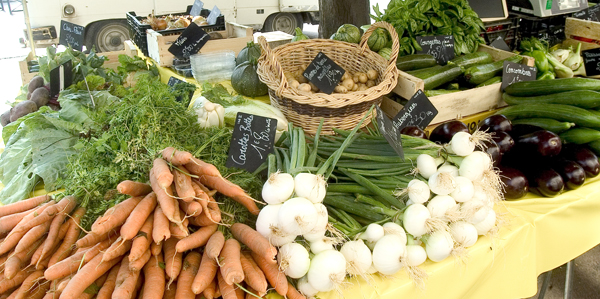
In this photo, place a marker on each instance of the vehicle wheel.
(107, 36)
(283, 21)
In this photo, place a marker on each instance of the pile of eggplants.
(528, 157)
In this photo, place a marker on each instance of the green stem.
(355, 208)
(313, 155)
(388, 197)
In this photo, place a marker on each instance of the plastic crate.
(505, 29)
(137, 29)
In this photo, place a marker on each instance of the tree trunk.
(334, 13)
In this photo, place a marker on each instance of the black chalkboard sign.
(196, 8)
(499, 43)
(71, 35)
(391, 134)
(515, 72)
(439, 46)
(252, 141)
(591, 61)
(324, 73)
(174, 81)
(590, 14)
(418, 112)
(191, 40)
(61, 77)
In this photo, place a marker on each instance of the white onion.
(388, 254)
(373, 233)
(278, 188)
(305, 288)
(461, 144)
(464, 233)
(391, 228)
(464, 189)
(358, 257)
(321, 245)
(310, 186)
(314, 235)
(473, 165)
(484, 226)
(418, 191)
(449, 168)
(417, 220)
(322, 218)
(439, 205)
(293, 260)
(415, 255)
(327, 270)
(426, 165)
(297, 216)
(441, 183)
(267, 224)
(439, 245)
(474, 211)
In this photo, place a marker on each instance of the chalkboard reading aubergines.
(515, 72)
(191, 40)
(591, 61)
(324, 73)
(441, 47)
(391, 134)
(418, 112)
(71, 35)
(252, 141)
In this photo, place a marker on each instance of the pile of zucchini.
(464, 72)
(569, 107)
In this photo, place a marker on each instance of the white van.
(107, 29)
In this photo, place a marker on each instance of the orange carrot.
(70, 265)
(206, 274)
(231, 266)
(176, 157)
(138, 264)
(189, 270)
(209, 291)
(86, 276)
(254, 240)
(53, 233)
(108, 287)
(29, 282)
(227, 290)
(252, 293)
(179, 231)
(156, 249)
(7, 284)
(16, 261)
(35, 258)
(70, 238)
(209, 205)
(183, 184)
(138, 216)
(31, 215)
(201, 196)
(166, 200)
(98, 283)
(126, 281)
(60, 287)
(154, 275)
(23, 205)
(239, 293)
(162, 173)
(38, 291)
(214, 245)
(230, 189)
(169, 293)
(67, 203)
(292, 293)
(199, 167)
(275, 277)
(31, 236)
(117, 249)
(197, 239)
(192, 208)
(204, 220)
(115, 216)
(160, 230)
(173, 259)
(91, 238)
(253, 276)
(134, 189)
(8, 222)
(143, 239)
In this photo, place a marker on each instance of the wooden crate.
(577, 28)
(275, 38)
(113, 61)
(237, 36)
(467, 102)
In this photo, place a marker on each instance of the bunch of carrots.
(162, 242)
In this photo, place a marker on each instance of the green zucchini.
(580, 135)
(468, 60)
(546, 124)
(481, 73)
(579, 116)
(426, 72)
(580, 98)
(493, 80)
(415, 62)
(544, 87)
(441, 76)
(439, 92)
(595, 146)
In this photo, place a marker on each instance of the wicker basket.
(342, 111)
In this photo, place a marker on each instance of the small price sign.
(441, 47)
(191, 40)
(252, 141)
(324, 73)
(515, 72)
(196, 8)
(591, 61)
(61, 77)
(71, 35)
(590, 14)
(391, 134)
(418, 112)
(174, 81)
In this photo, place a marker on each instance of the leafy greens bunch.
(413, 18)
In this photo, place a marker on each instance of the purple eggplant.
(516, 184)
(584, 157)
(572, 173)
(495, 123)
(504, 141)
(519, 130)
(492, 149)
(545, 182)
(413, 131)
(543, 143)
(444, 132)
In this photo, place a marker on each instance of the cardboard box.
(467, 102)
(235, 38)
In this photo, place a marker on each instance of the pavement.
(586, 270)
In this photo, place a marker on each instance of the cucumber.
(544, 87)
(580, 98)
(415, 62)
(468, 60)
(481, 73)
(579, 116)
(595, 146)
(580, 135)
(549, 124)
(426, 72)
(440, 76)
(493, 80)
(439, 92)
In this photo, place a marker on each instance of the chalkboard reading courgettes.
(252, 141)
(391, 134)
(441, 47)
(418, 112)
(591, 61)
(324, 73)
(515, 72)
(191, 40)
(71, 35)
